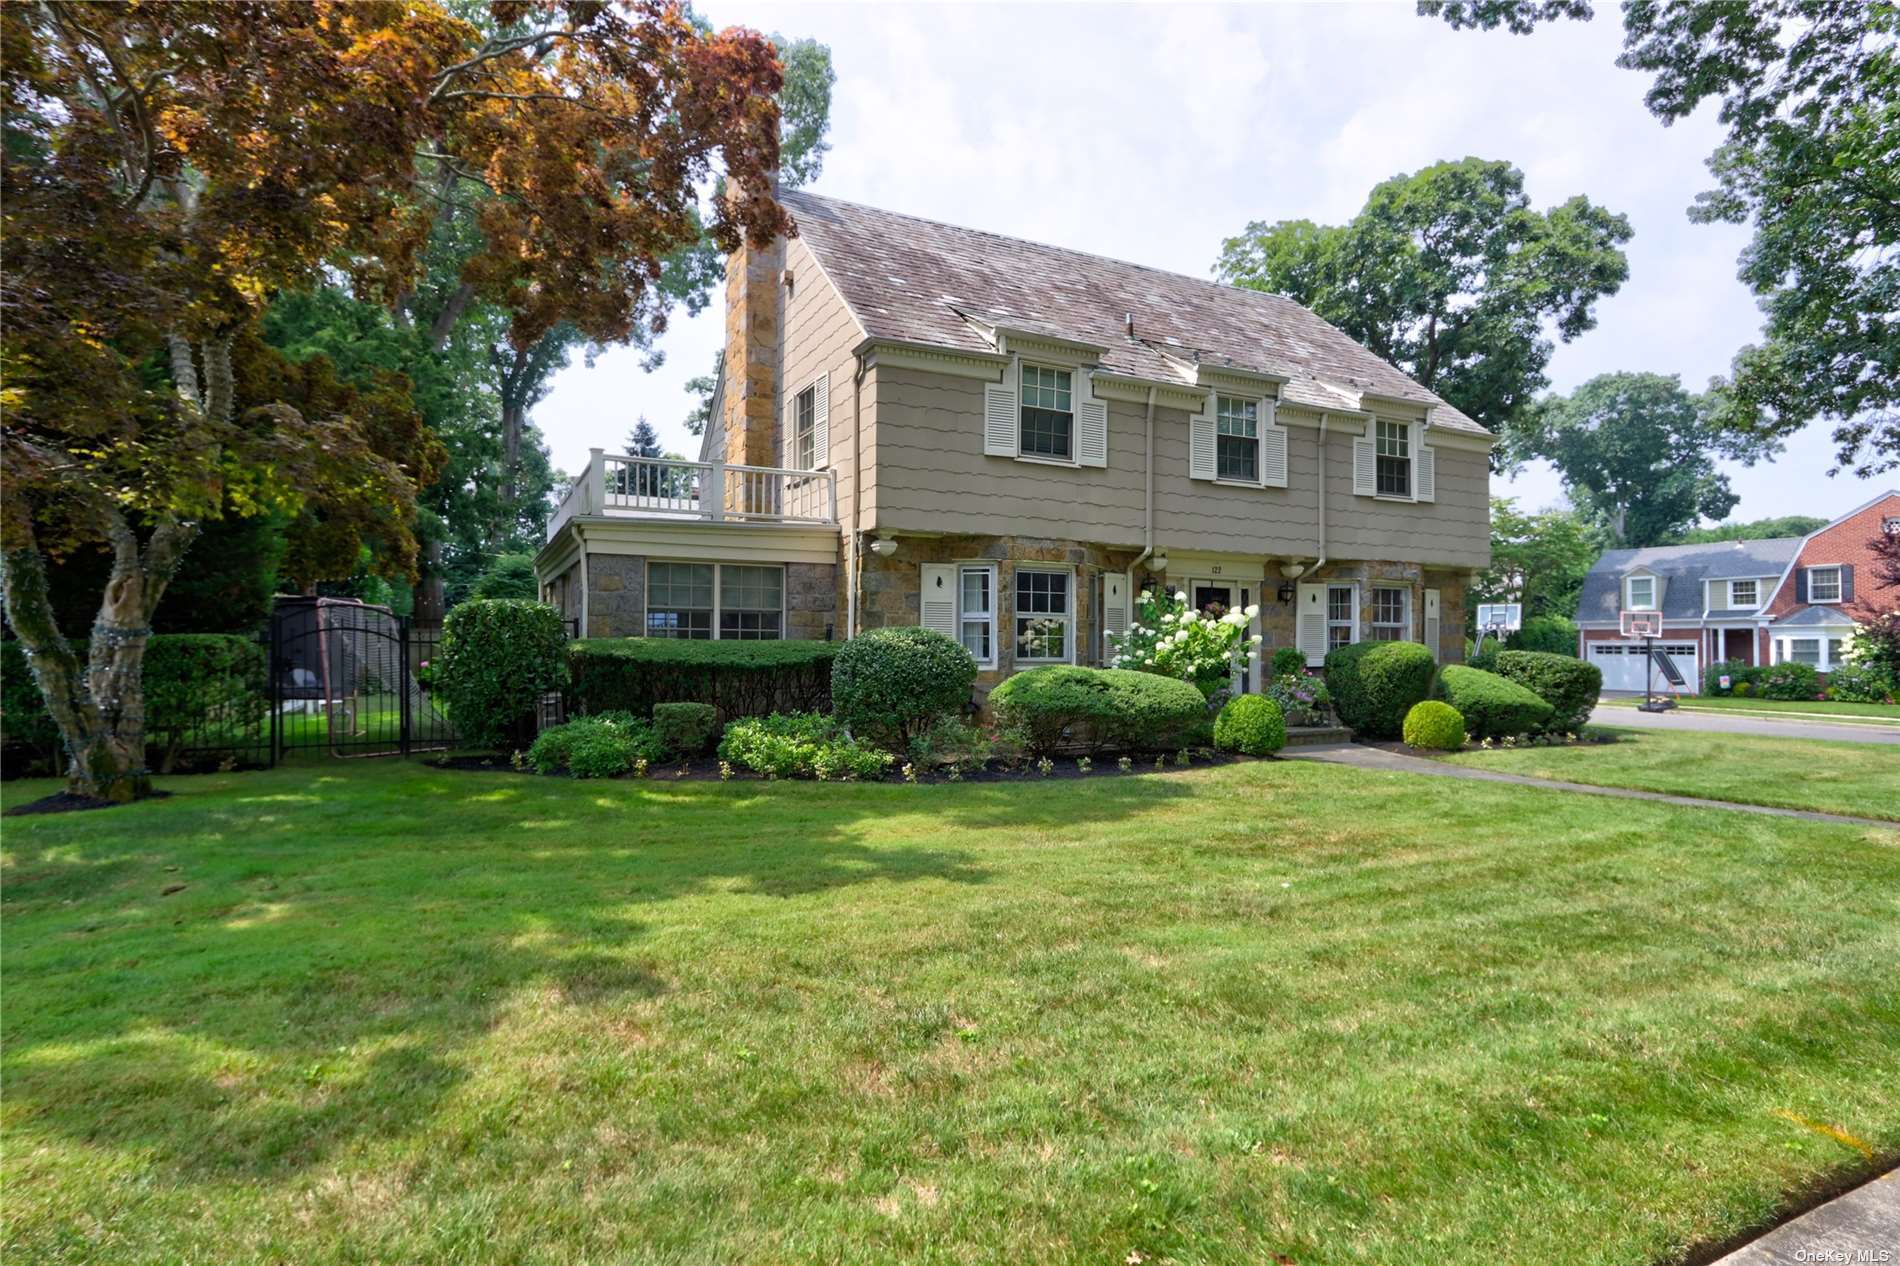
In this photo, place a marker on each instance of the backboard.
(1500, 617)
(1642, 624)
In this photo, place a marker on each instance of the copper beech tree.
(168, 168)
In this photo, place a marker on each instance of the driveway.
(1714, 722)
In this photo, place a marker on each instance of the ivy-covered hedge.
(498, 657)
(1098, 709)
(1374, 684)
(1492, 706)
(1568, 684)
(202, 690)
(739, 679)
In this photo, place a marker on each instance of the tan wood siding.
(820, 334)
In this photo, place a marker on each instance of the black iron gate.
(352, 679)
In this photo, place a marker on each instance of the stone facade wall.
(893, 587)
(811, 601)
(616, 607)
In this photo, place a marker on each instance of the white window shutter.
(1431, 621)
(1425, 474)
(1365, 469)
(821, 423)
(1201, 446)
(937, 605)
(1001, 422)
(1114, 613)
(1311, 626)
(1272, 449)
(1091, 423)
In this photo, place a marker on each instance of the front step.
(1310, 735)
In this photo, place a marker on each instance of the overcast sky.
(1152, 132)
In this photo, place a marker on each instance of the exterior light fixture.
(1158, 563)
(1286, 593)
(884, 546)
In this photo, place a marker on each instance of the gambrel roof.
(913, 280)
(1682, 568)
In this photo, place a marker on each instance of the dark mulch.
(67, 802)
(706, 769)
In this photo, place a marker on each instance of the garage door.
(1678, 668)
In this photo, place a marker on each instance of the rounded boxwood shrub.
(1100, 709)
(684, 729)
(1288, 660)
(1492, 706)
(1568, 684)
(603, 746)
(1374, 684)
(1434, 726)
(891, 685)
(1251, 725)
(498, 657)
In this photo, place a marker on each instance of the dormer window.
(1048, 413)
(1641, 593)
(1743, 593)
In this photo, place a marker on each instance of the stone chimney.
(754, 312)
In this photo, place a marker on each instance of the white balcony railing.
(714, 492)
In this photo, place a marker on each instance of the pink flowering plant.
(1171, 639)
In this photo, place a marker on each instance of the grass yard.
(395, 1014)
(1881, 713)
(1860, 779)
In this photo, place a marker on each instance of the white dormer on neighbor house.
(920, 423)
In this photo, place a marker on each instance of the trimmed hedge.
(1492, 706)
(1099, 709)
(891, 685)
(1789, 681)
(603, 746)
(204, 690)
(498, 657)
(1374, 684)
(1434, 726)
(1568, 684)
(738, 678)
(800, 745)
(1251, 725)
(684, 729)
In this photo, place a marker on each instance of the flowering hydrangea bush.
(1171, 639)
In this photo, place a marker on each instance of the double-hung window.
(805, 429)
(751, 602)
(1341, 618)
(1389, 614)
(1805, 650)
(976, 612)
(1394, 458)
(1237, 439)
(1044, 615)
(1824, 584)
(1642, 593)
(1742, 593)
(680, 600)
(1048, 413)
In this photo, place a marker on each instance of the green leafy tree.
(1637, 454)
(1450, 274)
(1538, 560)
(1810, 93)
(1753, 530)
(509, 576)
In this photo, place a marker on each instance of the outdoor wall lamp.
(1159, 563)
(884, 546)
(1286, 593)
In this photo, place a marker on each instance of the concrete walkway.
(1861, 1226)
(1715, 722)
(1360, 756)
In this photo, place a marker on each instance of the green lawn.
(1859, 779)
(397, 1014)
(1885, 713)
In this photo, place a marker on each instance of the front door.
(1738, 645)
(1217, 598)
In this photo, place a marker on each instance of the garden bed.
(996, 769)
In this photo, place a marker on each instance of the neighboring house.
(923, 424)
(1792, 598)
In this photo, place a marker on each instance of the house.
(923, 424)
(1762, 602)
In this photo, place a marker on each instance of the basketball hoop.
(1647, 625)
(1642, 624)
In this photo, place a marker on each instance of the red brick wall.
(1846, 543)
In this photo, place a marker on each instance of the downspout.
(1148, 502)
(1321, 560)
(581, 540)
(854, 555)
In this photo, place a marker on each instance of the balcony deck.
(667, 490)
